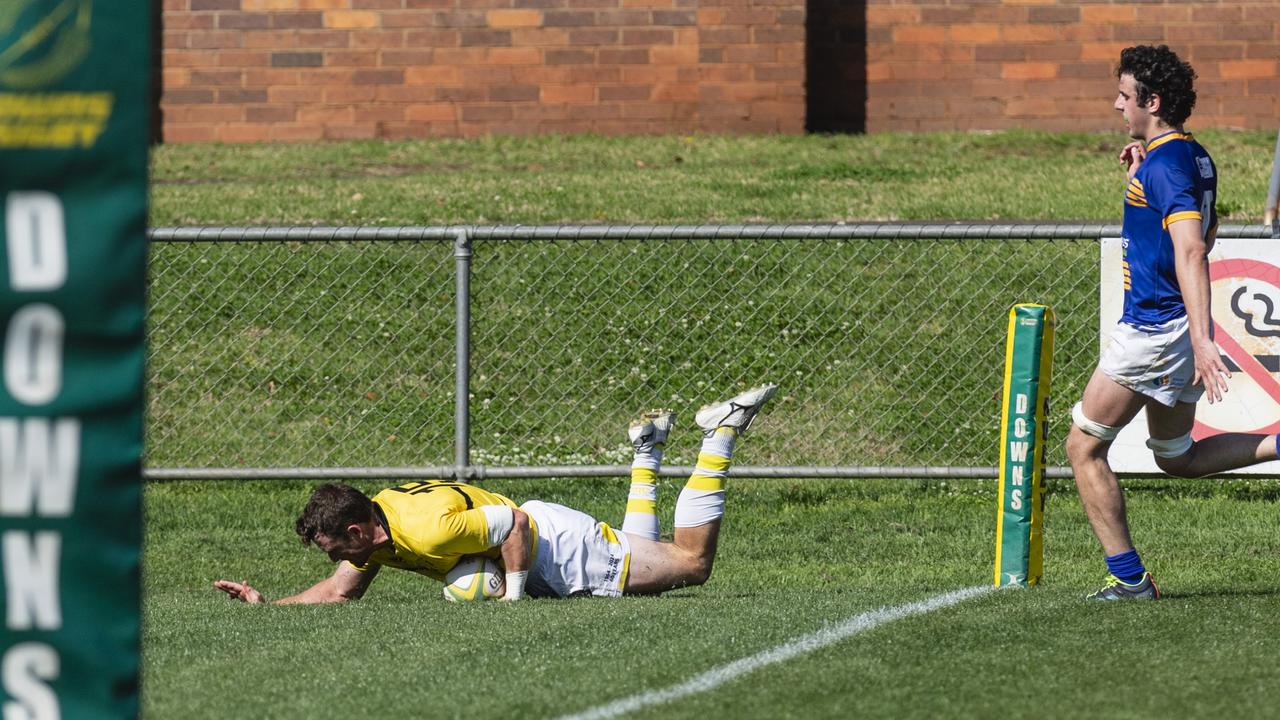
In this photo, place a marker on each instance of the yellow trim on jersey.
(1134, 194)
(1184, 215)
(1168, 138)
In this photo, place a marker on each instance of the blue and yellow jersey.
(1176, 181)
(432, 525)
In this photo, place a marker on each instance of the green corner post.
(1023, 430)
(75, 84)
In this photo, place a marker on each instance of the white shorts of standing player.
(1157, 362)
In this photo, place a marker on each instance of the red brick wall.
(250, 70)
(934, 65)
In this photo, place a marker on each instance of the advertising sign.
(1245, 277)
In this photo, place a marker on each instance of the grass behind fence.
(693, 179)
(300, 355)
(888, 353)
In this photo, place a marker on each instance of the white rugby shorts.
(575, 555)
(1154, 361)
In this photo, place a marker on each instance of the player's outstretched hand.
(241, 591)
(1131, 157)
(1210, 370)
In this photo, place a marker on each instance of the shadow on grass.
(1221, 594)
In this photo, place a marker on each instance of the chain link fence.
(299, 354)
(331, 352)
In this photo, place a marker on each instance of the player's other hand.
(1210, 370)
(1131, 157)
(241, 591)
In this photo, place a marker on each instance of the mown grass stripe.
(800, 646)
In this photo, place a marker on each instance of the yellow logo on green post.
(40, 45)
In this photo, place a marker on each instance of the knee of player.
(1177, 467)
(1079, 445)
(1088, 437)
(701, 576)
(698, 571)
(1174, 455)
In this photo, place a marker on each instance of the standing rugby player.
(1162, 356)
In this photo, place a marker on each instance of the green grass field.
(699, 179)
(796, 556)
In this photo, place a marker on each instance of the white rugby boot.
(651, 428)
(737, 412)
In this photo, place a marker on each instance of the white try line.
(720, 675)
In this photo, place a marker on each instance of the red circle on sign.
(1249, 365)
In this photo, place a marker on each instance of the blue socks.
(1127, 566)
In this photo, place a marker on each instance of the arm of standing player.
(346, 583)
(515, 555)
(1190, 258)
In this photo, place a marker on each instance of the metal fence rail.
(514, 351)
(837, 231)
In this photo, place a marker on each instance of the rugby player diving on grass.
(1162, 356)
(546, 550)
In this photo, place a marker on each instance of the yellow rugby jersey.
(432, 525)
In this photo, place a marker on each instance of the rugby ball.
(474, 579)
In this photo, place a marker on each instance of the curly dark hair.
(330, 510)
(1159, 71)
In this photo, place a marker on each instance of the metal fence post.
(462, 386)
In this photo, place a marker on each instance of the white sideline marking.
(720, 675)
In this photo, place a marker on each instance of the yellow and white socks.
(642, 500)
(702, 499)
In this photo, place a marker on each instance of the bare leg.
(1212, 455)
(1111, 404)
(657, 566)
